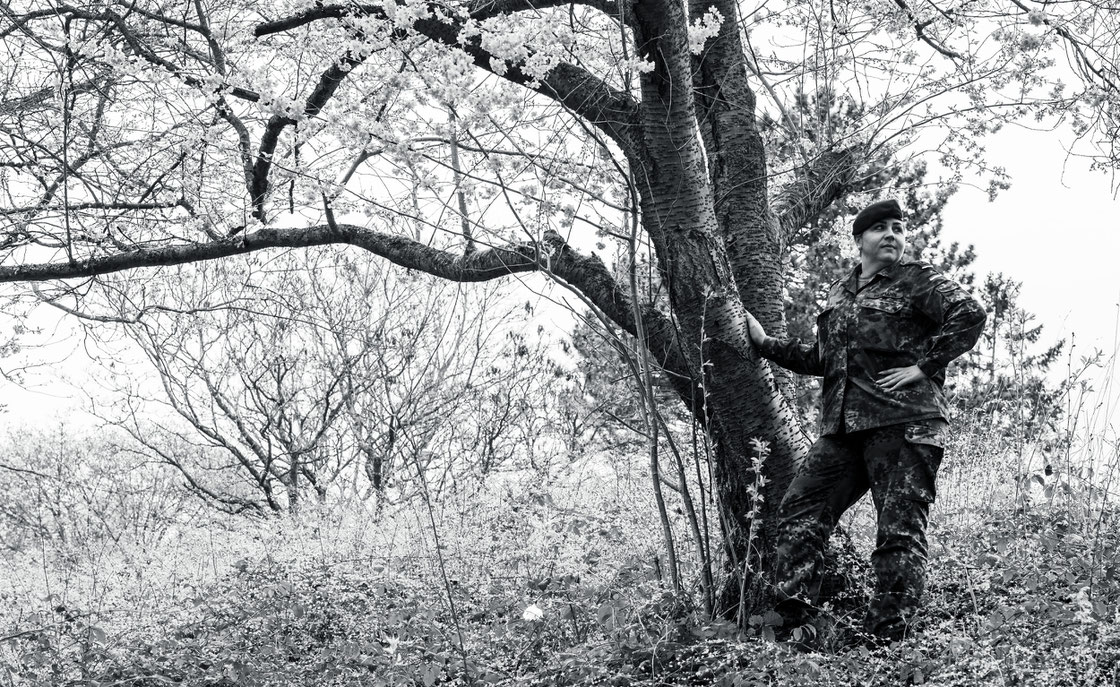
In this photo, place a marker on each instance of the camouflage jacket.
(909, 314)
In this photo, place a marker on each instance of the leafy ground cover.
(535, 586)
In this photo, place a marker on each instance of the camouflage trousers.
(839, 469)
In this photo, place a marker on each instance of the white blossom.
(701, 31)
(533, 612)
(1084, 612)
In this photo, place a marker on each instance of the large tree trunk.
(738, 173)
(713, 233)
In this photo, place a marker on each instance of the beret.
(884, 209)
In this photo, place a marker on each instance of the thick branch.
(588, 274)
(40, 99)
(821, 183)
(483, 9)
(329, 82)
(93, 205)
(478, 10)
(480, 266)
(591, 277)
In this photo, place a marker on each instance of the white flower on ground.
(389, 644)
(533, 612)
(1084, 612)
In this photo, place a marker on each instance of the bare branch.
(551, 255)
(229, 504)
(480, 266)
(920, 29)
(75, 207)
(39, 99)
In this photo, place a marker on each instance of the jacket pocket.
(886, 304)
(885, 324)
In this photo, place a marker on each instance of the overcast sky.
(1057, 230)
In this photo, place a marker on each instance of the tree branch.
(138, 48)
(478, 10)
(329, 82)
(39, 100)
(1079, 49)
(920, 30)
(481, 266)
(552, 255)
(611, 110)
(825, 179)
(484, 9)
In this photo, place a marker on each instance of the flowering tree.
(476, 139)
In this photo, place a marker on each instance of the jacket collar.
(889, 272)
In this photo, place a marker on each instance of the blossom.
(706, 28)
(533, 612)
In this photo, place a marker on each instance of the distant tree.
(614, 419)
(78, 490)
(1005, 379)
(315, 374)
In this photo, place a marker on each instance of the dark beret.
(876, 212)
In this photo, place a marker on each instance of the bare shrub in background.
(77, 491)
(319, 375)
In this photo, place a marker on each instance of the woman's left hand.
(898, 377)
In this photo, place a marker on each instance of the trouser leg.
(831, 479)
(902, 476)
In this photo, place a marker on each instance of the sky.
(1056, 230)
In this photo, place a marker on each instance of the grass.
(554, 585)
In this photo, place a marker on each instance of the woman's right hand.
(754, 329)
(731, 323)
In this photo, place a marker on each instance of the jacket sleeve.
(959, 318)
(794, 355)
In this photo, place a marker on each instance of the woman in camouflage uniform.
(886, 333)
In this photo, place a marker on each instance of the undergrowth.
(553, 587)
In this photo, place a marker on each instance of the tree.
(1004, 379)
(76, 490)
(314, 375)
(475, 140)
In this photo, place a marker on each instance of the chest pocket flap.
(888, 304)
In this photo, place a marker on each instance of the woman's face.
(883, 243)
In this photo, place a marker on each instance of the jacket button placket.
(848, 312)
